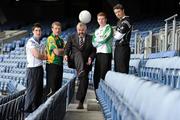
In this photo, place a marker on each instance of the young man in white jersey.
(35, 57)
(102, 40)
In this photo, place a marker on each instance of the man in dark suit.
(82, 53)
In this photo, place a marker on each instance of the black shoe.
(97, 100)
(80, 106)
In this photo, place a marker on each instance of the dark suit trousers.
(82, 88)
(83, 78)
(79, 62)
(121, 58)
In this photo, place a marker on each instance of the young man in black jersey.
(122, 38)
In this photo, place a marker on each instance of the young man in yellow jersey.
(54, 64)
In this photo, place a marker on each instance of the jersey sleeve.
(122, 30)
(31, 44)
(105, 37)
(51, 44)
(124, 27)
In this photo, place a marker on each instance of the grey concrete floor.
(91, 111)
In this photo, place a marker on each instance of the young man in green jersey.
(54, 64)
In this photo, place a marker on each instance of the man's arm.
(53, 47)
(67, 49)
(37, 54)
(58, 51)
(92, 54)
(68, 46)
(122, 30)
(107, 35)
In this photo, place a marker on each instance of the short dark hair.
(36, 25)
(102, 14)
(118, 6)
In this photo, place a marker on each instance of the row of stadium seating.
(7, 47)
(163, 54)
(55, 106)
(13, 70)
(12, 105)
(126, 97)
(148, 24)
(170, 77)
(157, 67)
(3, 87)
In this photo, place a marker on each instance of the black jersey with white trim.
(124, 27)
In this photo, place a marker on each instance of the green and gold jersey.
(52, 43)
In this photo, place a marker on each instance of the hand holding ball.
(85, 16)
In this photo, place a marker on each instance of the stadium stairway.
(91, 111)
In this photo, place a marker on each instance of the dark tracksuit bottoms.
(121, 58)
(54, 75)
(102, 66)
(34, 90)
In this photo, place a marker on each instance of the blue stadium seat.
(11, 86)
(168, 76)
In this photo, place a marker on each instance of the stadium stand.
(155, 73)
(126, 97)
(12, 81)
(55, 106)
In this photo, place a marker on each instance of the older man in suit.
(82, 53)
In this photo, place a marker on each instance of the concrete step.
(93, 105)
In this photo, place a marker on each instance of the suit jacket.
(73, 48)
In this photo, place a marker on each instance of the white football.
(85, 16)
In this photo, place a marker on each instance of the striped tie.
(81, 42)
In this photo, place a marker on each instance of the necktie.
(81, 42)
(56, 37)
